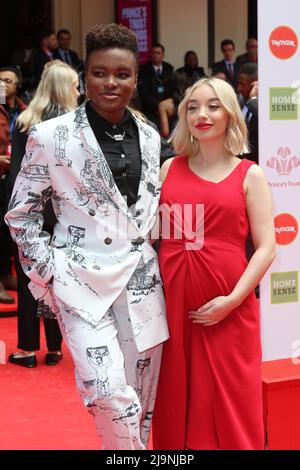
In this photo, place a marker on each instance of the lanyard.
(12, 124)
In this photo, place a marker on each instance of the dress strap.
(243, 170)
(175, 167)
(247, 163)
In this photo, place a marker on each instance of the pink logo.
(285, 162)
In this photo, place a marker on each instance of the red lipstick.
(203, 126)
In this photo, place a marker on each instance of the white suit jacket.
(99, 245)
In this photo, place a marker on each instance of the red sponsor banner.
(283, 42)
(137, 15)
(286, 229)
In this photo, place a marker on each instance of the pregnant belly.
(205, 274)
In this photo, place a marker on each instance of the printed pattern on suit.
(121, 399)
(90, 259)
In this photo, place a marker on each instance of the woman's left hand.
(213, 312)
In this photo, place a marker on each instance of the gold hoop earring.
(192, 139)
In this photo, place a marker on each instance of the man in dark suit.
(63, 52)
(248, 88)
(23, 57)
(250, 55)
(227, 65)
(44, 53)
(157, 82)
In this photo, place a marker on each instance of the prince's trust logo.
(284, 164)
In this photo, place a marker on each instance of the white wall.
(182, 25)
(231, 22)
(66, 14)
(96, 11)
(79, 15)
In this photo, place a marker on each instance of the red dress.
(210, 389)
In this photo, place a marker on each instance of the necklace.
(116, 137)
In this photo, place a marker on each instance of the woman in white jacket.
(99, 273)
(54, 97)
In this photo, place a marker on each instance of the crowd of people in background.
(85, 187)
(159, 91)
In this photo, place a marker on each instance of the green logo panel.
(283, 103)
(284, 287)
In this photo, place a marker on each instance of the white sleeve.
(25, 218)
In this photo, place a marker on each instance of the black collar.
(126, 124)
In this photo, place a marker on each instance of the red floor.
(40, 408)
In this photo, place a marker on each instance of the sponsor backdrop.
(279, 133)
(137, 15)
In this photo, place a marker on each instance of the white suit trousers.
(116, 382)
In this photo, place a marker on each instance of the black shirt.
(123, 156)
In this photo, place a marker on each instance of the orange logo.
(286, 229)
(283, 42)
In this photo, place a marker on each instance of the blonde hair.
(138, 114)
(236, 140)
(53, 92)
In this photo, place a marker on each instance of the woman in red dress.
(210, 390)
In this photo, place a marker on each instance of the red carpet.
(40, 408)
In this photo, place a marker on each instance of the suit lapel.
(84, 132)
(148, 191)
(149, 187)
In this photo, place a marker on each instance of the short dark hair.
(109, 36)
(44, 34)
(251, 39)
(62, 31)
(227, 42)
(188, 53)
(158, 44)
(15, 70)
(250, 69)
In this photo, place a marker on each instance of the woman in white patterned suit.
(99, 273)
